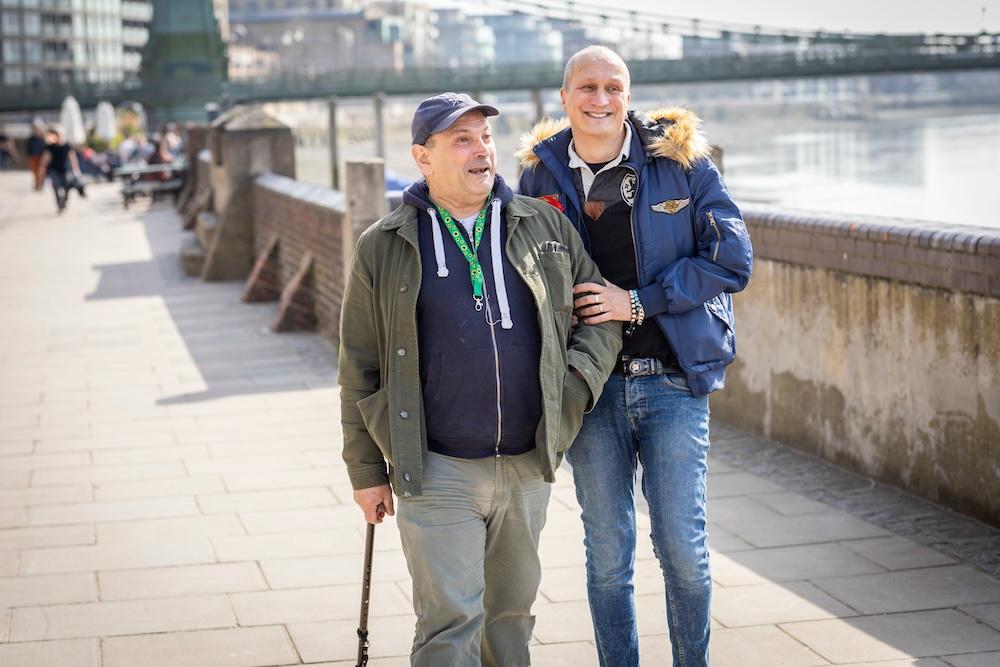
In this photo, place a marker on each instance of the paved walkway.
(171, 494)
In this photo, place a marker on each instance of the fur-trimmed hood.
(669, 132)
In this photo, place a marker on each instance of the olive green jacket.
(380, 390)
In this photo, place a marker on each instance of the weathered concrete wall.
(898, 379)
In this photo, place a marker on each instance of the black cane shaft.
(366, 587)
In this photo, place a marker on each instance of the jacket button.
(407, 477)
(403, 288)
(401, 351)
(404, 414)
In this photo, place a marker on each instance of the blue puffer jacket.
(692, 247)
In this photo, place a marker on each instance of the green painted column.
(184, 63)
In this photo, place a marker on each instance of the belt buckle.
(638, 366)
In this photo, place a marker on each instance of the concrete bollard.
(365, 190)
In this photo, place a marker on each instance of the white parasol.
(72, 121)
(105, 122)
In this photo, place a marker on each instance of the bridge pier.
(536, 97)
(334, 157)
(378, 101)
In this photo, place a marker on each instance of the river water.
(940, 164)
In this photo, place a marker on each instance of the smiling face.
(595, 95)
(459, 164)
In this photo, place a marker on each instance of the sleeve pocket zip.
(718, 235)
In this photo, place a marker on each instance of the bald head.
(592, 54)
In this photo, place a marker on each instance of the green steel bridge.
(825, 56)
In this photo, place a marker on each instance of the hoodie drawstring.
(505, 321)
(438, 244)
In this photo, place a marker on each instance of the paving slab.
(897, 553)
(235, 647)
(795, 563)
(763, 646)
(333, 570)
(390, 636)
(111, 510)
(895, 636)
(321, 603)
(115, 556)
(69, 653)
(771, 603)
(987, 613)
(8, 563)
(974, 660)
(175, 529)
(180, 581)
(250, 501)
(105, 619)
(53, 589)
(912, 590)
(337, 517)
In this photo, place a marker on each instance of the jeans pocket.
(677, 381)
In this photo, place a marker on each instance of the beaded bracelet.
(637, 314)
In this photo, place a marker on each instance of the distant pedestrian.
(62, 167)
(8, 151)
(161, 155)
(36, 149)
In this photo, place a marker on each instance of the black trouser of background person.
(62, 183)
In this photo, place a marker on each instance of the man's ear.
(423, 159)
(562, 98)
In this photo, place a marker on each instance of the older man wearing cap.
(462, 383)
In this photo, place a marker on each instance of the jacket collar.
(415, 199)
(673, 133)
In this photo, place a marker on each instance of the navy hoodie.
(480, 382)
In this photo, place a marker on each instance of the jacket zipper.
(631, 228)
(496, 364)
(718, 235)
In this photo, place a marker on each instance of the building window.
(10, 24)
(11, 51)
(32, 23)
(12, 77)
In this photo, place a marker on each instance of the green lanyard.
(475, 269)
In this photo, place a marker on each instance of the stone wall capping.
(989, 245)
(916, 251)
(314, 194)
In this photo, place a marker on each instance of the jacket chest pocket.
(557, 271)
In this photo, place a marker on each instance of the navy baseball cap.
(438, 113)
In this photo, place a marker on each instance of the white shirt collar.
(576, 161)
(587, 175)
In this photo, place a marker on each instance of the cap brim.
(450, 119)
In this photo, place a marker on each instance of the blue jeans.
(655, 420)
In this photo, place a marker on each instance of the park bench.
(133, 185)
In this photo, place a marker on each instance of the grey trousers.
(471, 545)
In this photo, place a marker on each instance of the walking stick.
(366, 588)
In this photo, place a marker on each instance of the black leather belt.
(638, 366)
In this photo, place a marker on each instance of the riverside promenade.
(172, 495)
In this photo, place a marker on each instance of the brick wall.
(305, 218)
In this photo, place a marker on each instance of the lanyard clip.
(479, 303)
